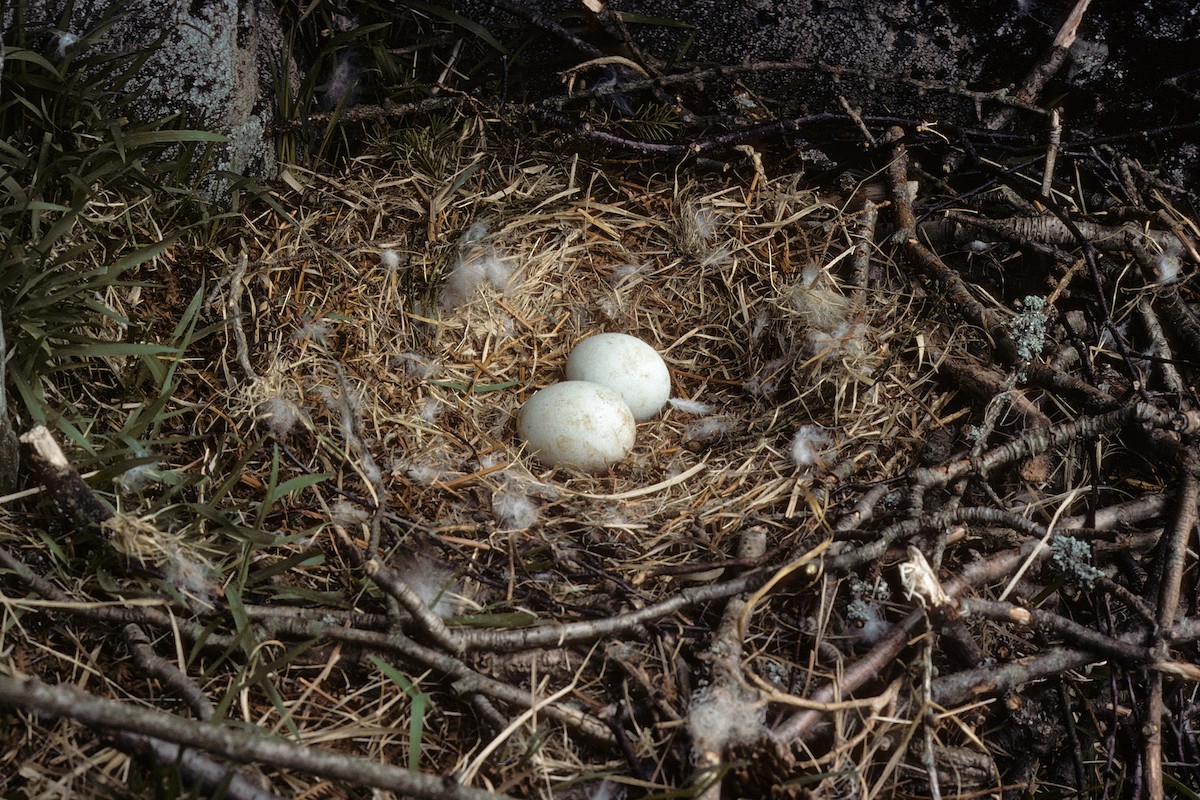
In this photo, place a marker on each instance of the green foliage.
(94, 198)
(87, 194)
(420, 707)
(433, 150)
(655, 122)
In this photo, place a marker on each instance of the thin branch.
(576, 632)
(525, 12)
(1038, 440)
(366, 113)
(1125, 650)
(72, 496)
(1173, 556)
(111, 614)
(233, 316)
(973, 684)
(168, 673)
(1048, 67)
(704, 74)
(195, 767)
(466, 680)
(797, 727)
(905, 529)
(67, 702)
(396, 587)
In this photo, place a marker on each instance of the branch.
(1080, 636)
(167, 672)
(214, 777)
(575, 632)
(397, 588)
(1048, 67)
(111, 614)
(972, 684)
(365, 113)
(900, 531)
(1037, 440)
(67, 702)
(1172, 561)
(466, 680)
(71, 495)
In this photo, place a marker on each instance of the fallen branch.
(466, 681)
(194, 767)
(67, 702)
(1172, 563)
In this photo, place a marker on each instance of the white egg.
(577, 424)
(628, 366)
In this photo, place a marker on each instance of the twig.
(1123, 514)
(544, 635)
(233, 316)
(1047, 68)
(973, 684)
(111, 614)
(986, 384)
(938, 230)
(854, 115)
(67, 702)
(900, 531)
(1056, 232)
(333, 616)
(72, 496)
(864, 249)
(395, 586)
(1052, 151)
(1081, 637)
(727, 691)
(1161, 348)
(1179, 316)
(466, 680)
(195, 767)
(702, 75)
(928, 715)
(1068, 716)
(527, 13)
(864, 509)
(575, 632)
(1038, 440)
(366, 113)
(996, 407)
(167, 672)
(1174, 553)
(614, 24)
(796, 728)
(723, 141)
(920, 582)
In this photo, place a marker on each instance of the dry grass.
(378, 366)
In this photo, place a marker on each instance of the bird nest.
(893, 534)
